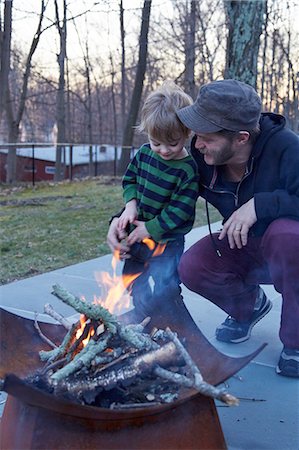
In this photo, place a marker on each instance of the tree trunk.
(123, 65)
(14, 118)
(60, 106)
(5, 44)
(89, 112)
(189, 82)
(245, 25)
(137, 91)
(11, 171)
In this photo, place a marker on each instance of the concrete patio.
(268, 415)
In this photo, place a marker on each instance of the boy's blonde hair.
(158, 115)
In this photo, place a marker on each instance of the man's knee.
(192, 263)
(282, 234)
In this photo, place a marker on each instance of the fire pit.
(34, 419)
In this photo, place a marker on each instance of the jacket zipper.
(236, 195)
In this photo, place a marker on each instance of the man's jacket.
(272, 176)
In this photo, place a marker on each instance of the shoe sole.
(284, 374)
(293, 371)
(247, 336)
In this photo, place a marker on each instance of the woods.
(82, 72)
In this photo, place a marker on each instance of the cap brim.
(195, 122)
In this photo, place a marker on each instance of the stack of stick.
(107, 356)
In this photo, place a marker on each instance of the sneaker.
(233, 331)
(288, 364)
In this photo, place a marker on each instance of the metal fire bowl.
(20, 344)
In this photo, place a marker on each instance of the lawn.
(53, 225)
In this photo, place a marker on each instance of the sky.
(100, 27)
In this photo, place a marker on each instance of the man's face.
(217, 149)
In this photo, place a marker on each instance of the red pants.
(230, 281)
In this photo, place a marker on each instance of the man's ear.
(243, 137)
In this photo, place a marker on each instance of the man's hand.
(138, 234)
(115, 238)
(236, 228)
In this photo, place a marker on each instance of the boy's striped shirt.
(166, 193)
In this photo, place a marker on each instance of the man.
(248, 165)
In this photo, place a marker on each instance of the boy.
(160, 192)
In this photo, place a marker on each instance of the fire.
(114, 295)
(80, 331)
(151, 245)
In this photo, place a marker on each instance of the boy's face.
(169, 150)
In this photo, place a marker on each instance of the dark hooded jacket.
(272, 177)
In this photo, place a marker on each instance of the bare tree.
(189, 81)
(60, 108)
(14, 112)
(137, 91)
(245, 25)
(123, 63)
(5, 44)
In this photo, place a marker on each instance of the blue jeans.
(158, 285)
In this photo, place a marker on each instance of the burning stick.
(96, 312)
(59, 351)
(83, 359)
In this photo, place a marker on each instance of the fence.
(36, 161)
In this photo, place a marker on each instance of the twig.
(84, 358)
(202, 387)
(48, 309)
(57, 352)
(54, 365)
(133, 405)
(44, 338)
(183, 352)
(117, 360)
(136, 338)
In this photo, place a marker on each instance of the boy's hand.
(138, 234)
(129, 215)
(115, 239)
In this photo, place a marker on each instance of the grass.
(50, 226)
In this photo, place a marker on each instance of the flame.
(149, 242)
(114, 296)
(151, 245)
(80, 331)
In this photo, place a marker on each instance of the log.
(164, 356)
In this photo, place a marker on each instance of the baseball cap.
(223, 104)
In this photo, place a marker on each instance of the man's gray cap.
(223, 105)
